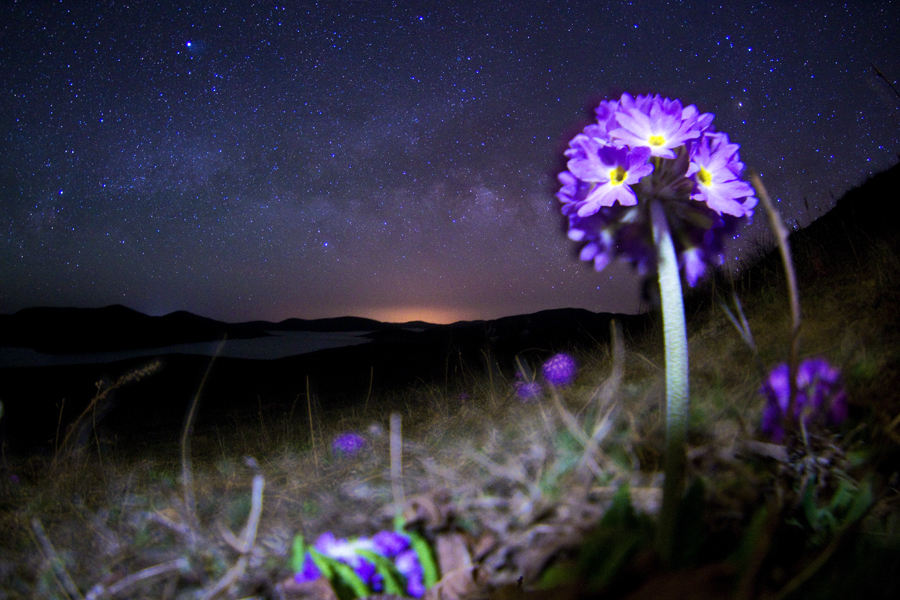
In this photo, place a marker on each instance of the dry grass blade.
(187, 481)
(72, 447)
(122, 586)
(397, 461)
(56, 564)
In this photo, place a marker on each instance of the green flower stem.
(675, 337)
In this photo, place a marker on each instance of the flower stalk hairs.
(653, 183)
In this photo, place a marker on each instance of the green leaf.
(394, 582)
(344, 580)
(298, 554)
(426, 559)
(862, 501)
(752, 537)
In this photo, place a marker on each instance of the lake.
(280, 344)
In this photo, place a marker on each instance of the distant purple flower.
(560, 370)
(347, 444)
(14, 478)
(310, 571)
(820, 396)
(527, 391)
(651, 149)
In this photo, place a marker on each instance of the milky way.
(314, 159)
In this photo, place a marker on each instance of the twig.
(247, 541)
(781, 238)
(369, 395)
(743, 329)
(312, 437)
(397, 461)
(881, 75)
(227, 579)
(179, 564)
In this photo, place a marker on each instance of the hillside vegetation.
(553, 497)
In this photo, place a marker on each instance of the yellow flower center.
(618, 176)
(657, 140)
(704, 176)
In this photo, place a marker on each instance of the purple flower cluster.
(389, 544)
(347, 444)
(559, 371)
(527, 391)
(649, 148)
(820, 396)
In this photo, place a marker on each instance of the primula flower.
(713, 168)
(670, 215)
(347, 444)
(348, 553)
(612, 170)
(396, 546)
(408, 564)
(392, 545)
(820, 396)
(309, 572)
(560, 370)
(691, 171)
(660, 124)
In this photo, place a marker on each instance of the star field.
(396, 161)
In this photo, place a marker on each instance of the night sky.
(266, 160)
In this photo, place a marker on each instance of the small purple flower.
(309, 572)
(408, 564)
(527, 391)
(14, 479)
(560, 370)
(390, 543)
(347, 444)
(348, 553)
(820, 396)
(396, 546)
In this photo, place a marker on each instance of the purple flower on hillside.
(820, 396)
(526, 391)
(347, 444)
(560, 370)
(309, 572)
(692, 171)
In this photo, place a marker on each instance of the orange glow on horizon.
(440, 316)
